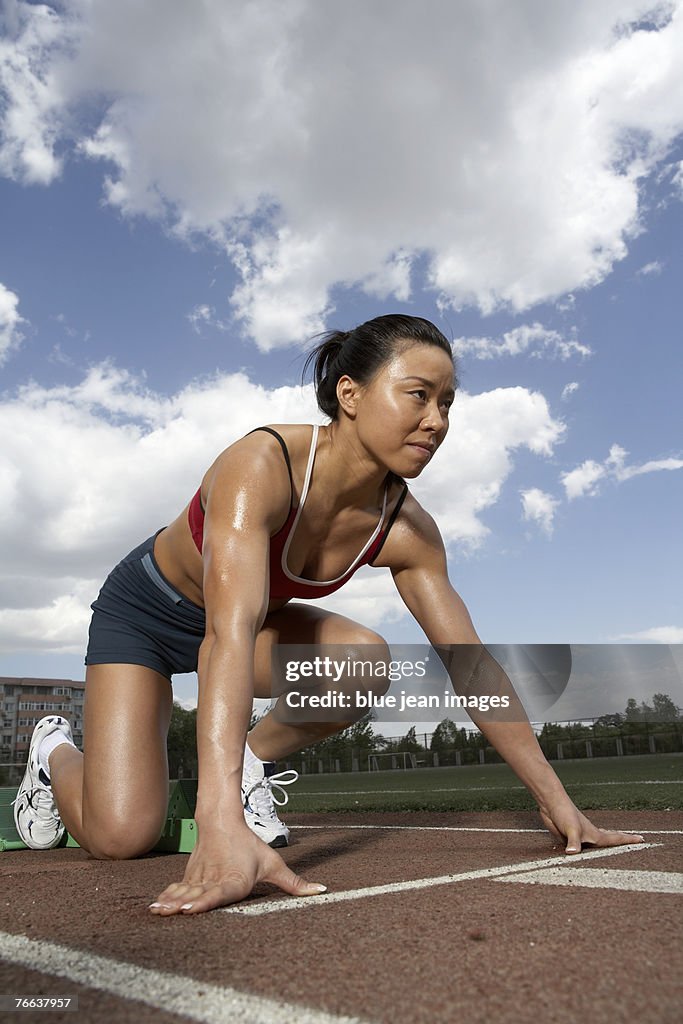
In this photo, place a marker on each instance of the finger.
(194, 898)
(163, 909)
(172, 898)
(174, 886)
(550, 825)
(605, 837)
(166, 909)
(285, 879)
(574, 838)
(216, 895)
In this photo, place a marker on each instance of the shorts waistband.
(149, 564)
(158, 580)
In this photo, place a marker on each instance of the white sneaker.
(35, 812)
(258, 785)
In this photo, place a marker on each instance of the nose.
(434, 418)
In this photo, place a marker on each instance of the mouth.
(426, 448)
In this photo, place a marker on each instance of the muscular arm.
(416, 556)
(247, 498)
(422, 580)
(242, 503)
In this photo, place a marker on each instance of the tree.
(182, 743)
(632, 710)
(444, 737)
(360, 734)
(356, 741)
(664, 709)
(410, 743)
(610, 721)
(360, 738)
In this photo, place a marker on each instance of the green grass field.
(646, 782)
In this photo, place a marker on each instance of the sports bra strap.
(285, 452)
(309, 466)
(392, 519)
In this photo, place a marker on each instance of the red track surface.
(472, 950)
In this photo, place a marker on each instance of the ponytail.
(361, 352)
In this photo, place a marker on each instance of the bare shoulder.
(253, 473)
(262, 447)
(414, 539)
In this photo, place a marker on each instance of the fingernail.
(321, 888)
(186, 906)
(166, 906)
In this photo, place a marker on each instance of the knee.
(122, 841)
(119, 847)
(361, 644)
(369, 660)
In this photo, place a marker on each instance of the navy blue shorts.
(139, 618)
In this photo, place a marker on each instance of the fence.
(560, 741)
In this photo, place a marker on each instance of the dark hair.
(359, 353)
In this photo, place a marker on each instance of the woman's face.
(402, 414)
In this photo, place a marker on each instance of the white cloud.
(539, 507)
(652, 269)
(677, 178)
(528, 338)
(585, 478)
(569, 390)
(475, 460)
(370, 597)
(617, 463)
(327, 145)
(205, 316)
(655, 635)
(566, 303)
(61, 625)
(34, 36)
(91, 469)
(10, 334)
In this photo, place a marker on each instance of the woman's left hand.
(566, 823)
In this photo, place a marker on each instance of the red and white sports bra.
(283, 583)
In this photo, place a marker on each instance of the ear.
(348, 395)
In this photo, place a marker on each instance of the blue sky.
(183, 209)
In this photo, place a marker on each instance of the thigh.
(125, 766)
(139, 618)
(303, 624)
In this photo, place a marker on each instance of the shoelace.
(261, 795)
(41, 804)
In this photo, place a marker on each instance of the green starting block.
(179, 835)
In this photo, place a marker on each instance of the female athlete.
(289, 511)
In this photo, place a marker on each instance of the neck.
(350, 475)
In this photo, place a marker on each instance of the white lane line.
(474, 788)
(298, 903)
(633, 782)
(659, 831)
(603, 878)
(472, 828)
(173, 993)
(423, 828)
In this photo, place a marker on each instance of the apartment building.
(23, 702)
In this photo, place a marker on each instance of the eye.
(421, 394)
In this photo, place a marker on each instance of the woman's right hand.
(224, 868)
